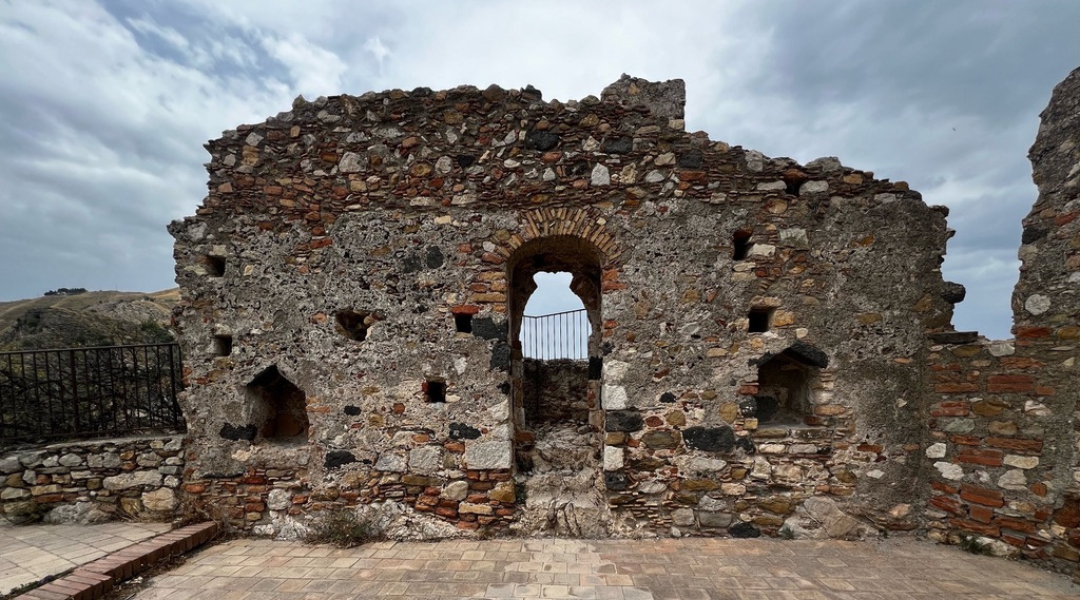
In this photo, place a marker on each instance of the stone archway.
(557, 459)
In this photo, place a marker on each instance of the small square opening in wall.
(222, 345)
(760, 320)
(435, 391)
(463, 323)
(215, 265)
(740, 242)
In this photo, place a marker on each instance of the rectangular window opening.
(741, 243)
(435, 391)
(215, 265)
(463, 323)
(222, 345)
(760, 320)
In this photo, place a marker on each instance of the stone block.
(488, 455)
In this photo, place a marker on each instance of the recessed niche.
(784, 390)
(222, 345)
(463, 323)
(215, 265)
(278, 407)
(740, 242)
(435, 391)
(760, 320)
(354, 324)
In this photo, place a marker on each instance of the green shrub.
(343, 528)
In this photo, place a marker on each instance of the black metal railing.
(562, 335)
(89, 392)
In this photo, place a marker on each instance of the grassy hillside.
(86, 319)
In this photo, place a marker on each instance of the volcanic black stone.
(434, 257)
(616, 481)
(500, 357)
(352, 411)
(541, 140)
(954, 337)
(238, 432)
(504, 387)
(1033, 234)
(623, 420)
(579, 168)
(667, 397)
(744, 530)
(337, 458)
(619, 145)
(746, 445)
(487, 328)
(748, 407)
(709, 439)
(465, 160)
(690, 160)
(809, 354)
(410, 264)
(953, 293)
(461, 431)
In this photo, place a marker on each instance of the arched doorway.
(555, 382)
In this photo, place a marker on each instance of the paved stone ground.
(689, 569)
(30, 552)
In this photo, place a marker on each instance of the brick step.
(93, 580)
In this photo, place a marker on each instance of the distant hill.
(78, 319)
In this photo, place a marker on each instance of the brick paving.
(689, 569)
(30, 553)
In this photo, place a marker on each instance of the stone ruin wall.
(352, 283)
(1002, 460)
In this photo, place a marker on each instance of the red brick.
(981, 514)
(1015, 444)
(965, 440)
(979, 456)
(1015, 524)
(980, 495)
(1032, 332)
(949, 505)
(974, 527)
(956, 388)
(944, 487)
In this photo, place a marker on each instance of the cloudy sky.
(106, 104)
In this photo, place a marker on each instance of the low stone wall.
(91, 481)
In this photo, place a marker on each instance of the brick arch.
(587, 224)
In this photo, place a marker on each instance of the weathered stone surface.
(624, 420)
(133, 479)
(488, 455)
(425, 460)
(456, 490)
(159, 500)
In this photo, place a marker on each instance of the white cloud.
(106, 112)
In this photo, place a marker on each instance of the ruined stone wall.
(354, 258)
(91, 481)
(1002, 457)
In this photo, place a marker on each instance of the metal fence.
(556, 336)
(89, 392)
